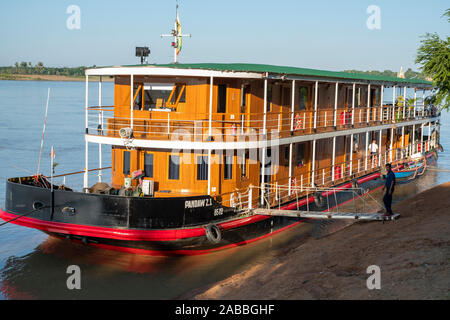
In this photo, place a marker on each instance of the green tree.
(434, 57)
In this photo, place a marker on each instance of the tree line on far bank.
(39, 69)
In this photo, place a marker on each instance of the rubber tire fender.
(319, 199)
(213, 233)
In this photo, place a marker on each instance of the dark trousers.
(387, 199)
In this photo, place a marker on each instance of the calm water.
(33, 265)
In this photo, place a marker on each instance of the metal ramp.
(324, 215)
(354, 213)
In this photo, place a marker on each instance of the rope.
(23, 215)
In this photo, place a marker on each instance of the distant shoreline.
(41, 77)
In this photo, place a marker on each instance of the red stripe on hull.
(119, 234)
(193, 252)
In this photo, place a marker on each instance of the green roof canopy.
(293, 71)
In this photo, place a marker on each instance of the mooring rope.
(24, 215)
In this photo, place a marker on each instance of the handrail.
(78, 172)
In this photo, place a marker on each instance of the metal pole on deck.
(353, 105)
(351, 154)
(313, 162)
(292, 130)
(368, 103)
(100, 127)
(316, 93)
(381, 103)
(132, 103)
(86, 157)
(336, 103)
(43, 132)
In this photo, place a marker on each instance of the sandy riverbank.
(39, 77)
(413, 253)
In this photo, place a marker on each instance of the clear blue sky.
(321, 34)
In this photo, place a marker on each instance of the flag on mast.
(179, 33)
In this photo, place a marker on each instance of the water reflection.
(41, 274)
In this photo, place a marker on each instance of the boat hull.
(172, 226)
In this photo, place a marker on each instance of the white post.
(421, 139)
(333, 159)
(290, 168)
(209, 172)
(265, 107)
(86, 155)
(403, 137)
(316, 93)
(211, 85)
(379, 147)
(429, 135)
(404, 102)
(351, 154)
(423, 103)
(292, 129)
(100, 127)
(336, 103)
(313, 162)
(132, 102)
(391, 144)
(292, 105)
(367, 148)
(353, 104)
(368, 103)
(381, 102)
(413, 139)
(415, 101)
(263, 157)
(51, 168)
(393, 103)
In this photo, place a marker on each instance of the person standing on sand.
(389, 186)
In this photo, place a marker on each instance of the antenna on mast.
(177, 35)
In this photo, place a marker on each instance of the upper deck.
(243, 105)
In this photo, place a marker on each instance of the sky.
(320, 34)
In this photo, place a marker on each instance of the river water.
(34, 265)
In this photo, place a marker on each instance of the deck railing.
(237, 127)
(300, 185)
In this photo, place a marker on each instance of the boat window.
(148, 165)
(156, 95)
(303, 94)
(300, 154)
(202, 168)
(228, 168)
(179, 94)
(287, 93)
(243, 163)
(222, 98)
(269, 97)
(244, 91)
(286, 152)
(138, 96)
(126, 162)
(174, 167)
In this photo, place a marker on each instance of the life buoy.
(213, 234)
(233, 130)
(294, 183)
(298, 122)
(319, 200)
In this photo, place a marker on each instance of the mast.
(177, 35)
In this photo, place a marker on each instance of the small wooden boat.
(410, 170)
